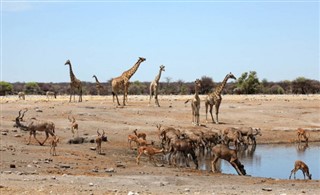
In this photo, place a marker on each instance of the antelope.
(99, 141)
(139, 141)
(140, 135)
(35, 125)
(74, 126)
(299, 165)
(54, 143)
(221, 151)
(148, 151)
(131, 138)
(302, 133)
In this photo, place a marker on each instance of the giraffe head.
(231, 76)
(198, 83)
(67, 62)
(162, 68)
(93, 76)
(142, 59)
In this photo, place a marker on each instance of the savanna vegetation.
(246, 83)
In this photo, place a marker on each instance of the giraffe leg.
(211, 106)
(157, 101)
(193, 113)
(197, 115)
(70, 95)
(124, 99)
(206, 104)
(80, 96)
(217, 112)
(150, 95)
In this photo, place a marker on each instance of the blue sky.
(277, 39)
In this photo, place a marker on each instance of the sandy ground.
(79, 170)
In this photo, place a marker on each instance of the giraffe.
(98, 85)
(215, 98)
(154, 86)
(122, 82)
(74, 84)
(195, 103)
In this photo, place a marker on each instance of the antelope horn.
(21, 118)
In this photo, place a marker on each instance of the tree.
(248, 83)
(302, 85)
(206, 84)
(276, 89)
(32, 88)
(137, 88)
(5, 88)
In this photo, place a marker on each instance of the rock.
(111, 170)
(12, 166)
(267, 189)
(65, 166)
(121, 165)
(133, 193)
(17, 135)
(90, 184)
(4, 133)
(92, 148)
(38, 110)
(7, 172)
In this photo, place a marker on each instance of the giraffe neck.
(97, 81)
(132, 70)
(158, 76)
(196, 89)
(219, 89)
(72, 76)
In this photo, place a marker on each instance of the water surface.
(274, 160)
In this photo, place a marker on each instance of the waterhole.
(273, 160)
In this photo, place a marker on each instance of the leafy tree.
(5, 88)
(276, 89)
(32, 88)
(137, 88)
(248, 83)
(168, 87)
(302, 85)
(206, 84)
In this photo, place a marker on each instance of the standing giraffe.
(154, 86)
(74, 84)
(98, 85)
(195, 104)
(122, 82)
(215, 98)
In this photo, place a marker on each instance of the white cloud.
(15, 6)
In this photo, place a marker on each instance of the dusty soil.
(79, 170)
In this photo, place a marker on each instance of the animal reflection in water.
(301, 147)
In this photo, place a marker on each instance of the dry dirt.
(79, 170)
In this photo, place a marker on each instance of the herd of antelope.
(176, 145)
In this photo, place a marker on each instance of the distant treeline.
(247, 83)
